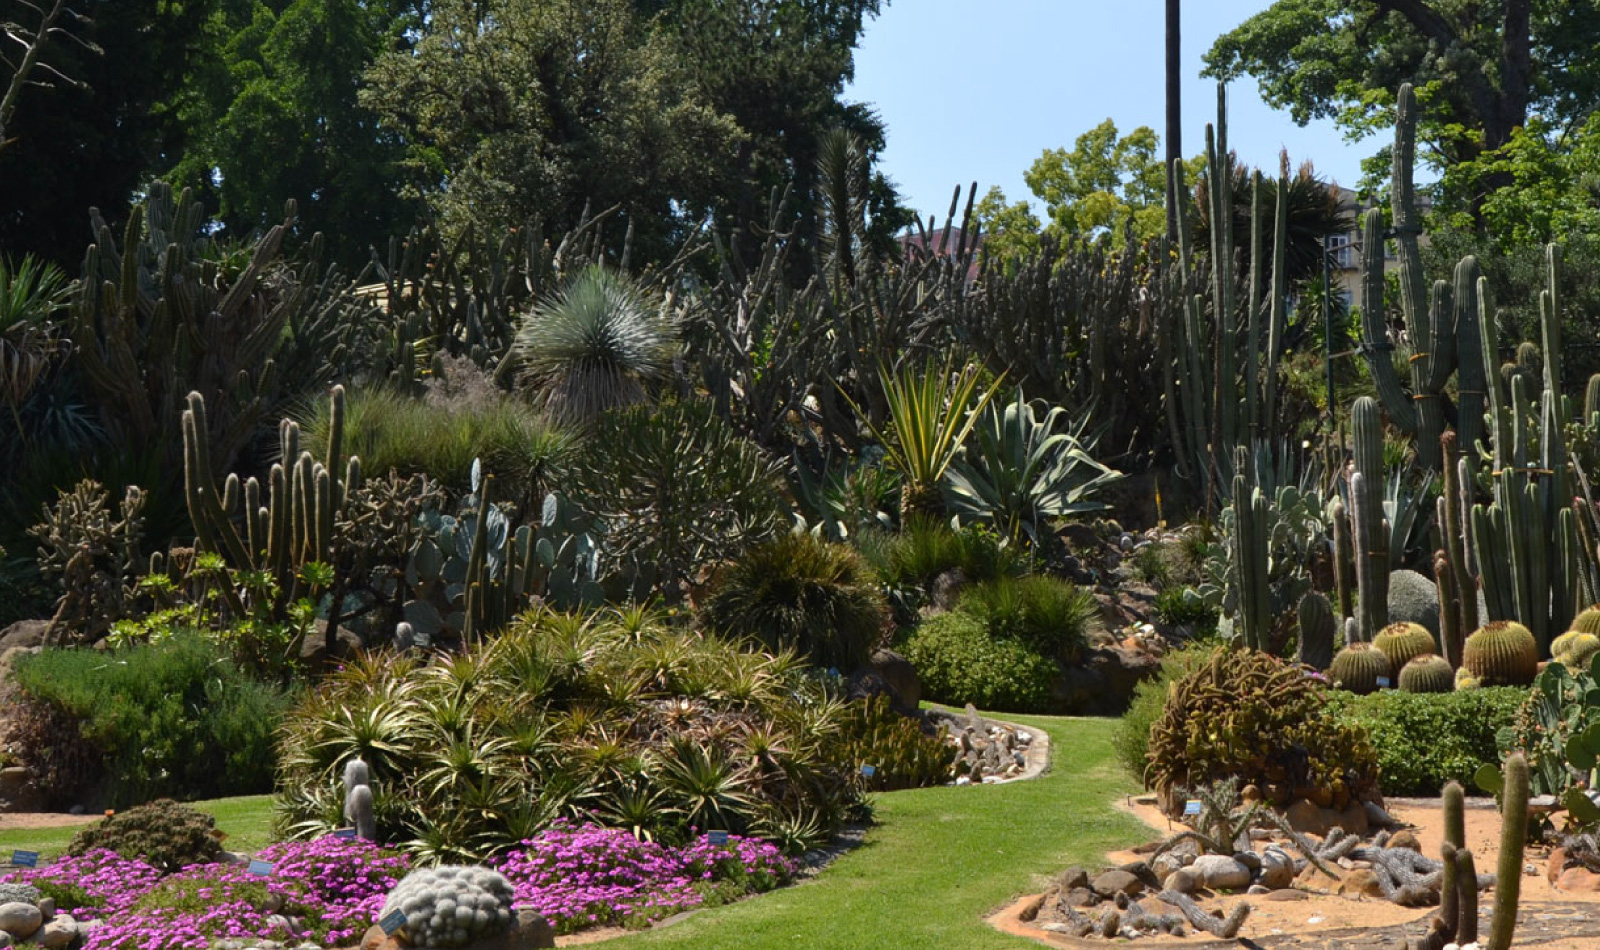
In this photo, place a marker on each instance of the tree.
(517, 109)
(1103, 182)
(29, 66)
(1479, 67)
(1011, 231)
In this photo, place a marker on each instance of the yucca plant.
(929, 418)
(30, 294)
(1018, 471)
(600, 344)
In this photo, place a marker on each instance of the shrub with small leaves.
(959, 662)
(163, 833)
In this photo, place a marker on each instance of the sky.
(976, 91)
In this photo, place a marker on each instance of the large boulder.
(27, 634)
(1102, 683)
(1414, 599)
(904, 685)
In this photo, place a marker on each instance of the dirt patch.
(1547, 917)
(43, 819)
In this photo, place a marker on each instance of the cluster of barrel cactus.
(450, 906)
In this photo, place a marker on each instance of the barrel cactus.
(1502, 653)
(1404, 642)
(1428, 674)
(448, 906)
(1574, 649)
(1465, 679)
(1359, 668)
(1588, 620)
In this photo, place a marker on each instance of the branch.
(1426, 20)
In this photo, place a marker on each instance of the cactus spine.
(358, 799)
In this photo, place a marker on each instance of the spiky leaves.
(600, 344)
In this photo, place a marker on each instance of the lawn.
(247, 821)
(938, 860)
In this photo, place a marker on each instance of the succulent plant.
(358, 799)
(1502, 653)
(1588, 620)
(1315, 615)
(1574, 649)
(1428, 674)
(450, 906)
(1465, 679)
(1361, 668)
(1403, 642)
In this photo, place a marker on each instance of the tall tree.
(1105, 180)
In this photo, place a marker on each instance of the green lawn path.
(247, 820)
(938, 861)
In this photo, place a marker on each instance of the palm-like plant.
(1018, 471)
(930, 419)
(600, 344)
(30, 293)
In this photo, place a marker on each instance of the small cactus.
(449, 906)
(1428, 674)
(1574, 649)
(358, 799)
(1502, 653)
(1359, 667)
(1404, 642)
(1587, 621)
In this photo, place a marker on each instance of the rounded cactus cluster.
(452, 906)
(1428, 674)
(1574, 649)
(1588, 620)
(1359, 667)
(1502, 653)
(1403, 642)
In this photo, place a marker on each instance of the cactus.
(1252, 555)
(1403, 642)
(1466, 680)
(1588, 620)
(1513, 836)
(358, 799)
(1574, 649)
(1344, 567)
(1361, 668)
(447, 907)
(1317, 622)
(1502, 653)
(1369, 537)
(1427, 674)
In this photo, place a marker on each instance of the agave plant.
(600, 344)
(1019, 471)
(928, 409)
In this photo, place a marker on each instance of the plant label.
(869, 770)
(1383, 682)
(25, 859)
(345, 833)
(393, 922)
(1191, 807)
(717, 839)
(262, 868)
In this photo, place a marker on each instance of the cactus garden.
(517, 474)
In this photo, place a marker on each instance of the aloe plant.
(1019, 470)
(930, 422)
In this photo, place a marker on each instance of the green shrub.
(168, 719)
(960, 662)
(901, 754)
(1053, 617)
(163, 833)
(924, 550)
(1424, 740)
(801, 593)
(1178, 606)
(1131, 740)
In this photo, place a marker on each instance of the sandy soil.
(43, 819)
(1548, 918)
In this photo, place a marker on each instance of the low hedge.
(1424, 740)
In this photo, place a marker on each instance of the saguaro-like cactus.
(1369, 536)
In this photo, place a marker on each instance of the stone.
(1578, 880)
(1258, 890)
(1183, 881)
(47, 907)
(1073, 877)
(904, 684)
(1102, 683)
(1361, 882)
(58, 933)
(1405, 839)
(1305, 817)
(1112, 883)
(6, 940)
(1164, 865)
(25, 635)
(1286, 894)
(1277, 869)
(20, 920)
(314, 648)
(1220, 872)
(1378, 817)
(1354, 819)
(1082, 897)
(1249, 859)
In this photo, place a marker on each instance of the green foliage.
(600, 344)
(1053, 617)
(960, 661)
(799, 593)
(900, 751)
(167, 719)
(163, 833)
(925, 549)
(1104, 183)
(1558, 728)
(613, 715)
(1424, 740)
(1017, 472)
(674, 486)
(31, 293)
(1011, 231)
(1131, 740)
(1249, 714)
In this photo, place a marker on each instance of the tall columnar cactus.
(1513, 836)
(1458, 589)
(1251, 555)
(1344, 565)
(358, 799)
(1369, 536)
(1315, 615)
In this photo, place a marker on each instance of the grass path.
(938, 860)
(246, 819)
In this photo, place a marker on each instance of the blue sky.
(976, 91)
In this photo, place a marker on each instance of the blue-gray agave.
(1018, 470)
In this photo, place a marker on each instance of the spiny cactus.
(1574, 649)
(1427, 674)
(1513, 836)
(358, 799)
(447, 907)
(1502, 653)
(1361, 668)
(1403, 642)
(1316, 619)
(1587, 620)
(1368, 536)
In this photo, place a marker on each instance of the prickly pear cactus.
(449, 906)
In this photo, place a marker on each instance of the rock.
(314, 648)
(1249, 859)
(1102, 683)
(1361, 882)
(1183, 881)
(1305, 817)
(1277, 869)
(47, 907)
(1073, 877)
(1286, 894)
(1354, 819)
(1082, 897)
(1578, 880)
(25, 635)
(1219, 872)
(1164, 865)
(1112, 883)
(1413, 599)
(1377, 817)
(902, 678)
(1404, 839)
(20, 920)
(1258, 890)
(6, 940)
(58, 933)
(1249, 793)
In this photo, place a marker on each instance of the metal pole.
(1174, 110)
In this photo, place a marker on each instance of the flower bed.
(329, 891)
